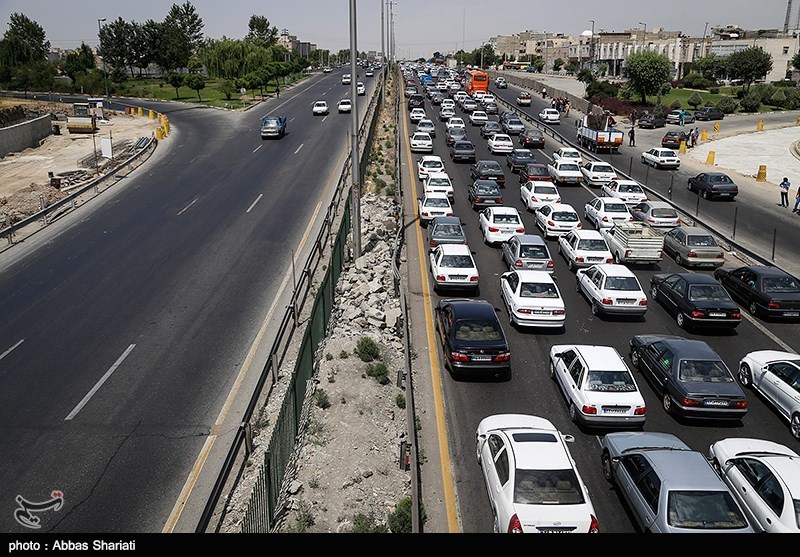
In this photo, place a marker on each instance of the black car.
(416, 101)
(436, 98)
(652, 121)
(534, 172)
(713, 185)
(488, 170)
(518, 158)
(455, 134)
(696, 300)
(709, 113)
(689, 377)
(764, 290)
(473, 341)
(445, 230)
(672, 140)
(462, 151)
(490, 128)
(484, 193)
(491, 108)
(532, 137)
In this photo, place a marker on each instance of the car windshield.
(619, 381)
(439, 182)
(708, 293)
(506, 219)
(703, 241)
(533, 252)
(668, 153)
(478, 329)
(487, 189)
(616, 208)
(538, 290)
(448, 231)
(622, 283)
(547, 487)
(664, 213)
(704, 371)
(593, 244)
(569, 167)
(630, 188)
(602, 168)
(513, 122)
(545, 190)
(437, 202)
(537, 171)
(492, 166)
(564, 216)
(719, 179)
(457, 261)
(463, 146)
(780, 285)
(704, 510)
(492, 126)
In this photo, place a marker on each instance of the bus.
(476, 80)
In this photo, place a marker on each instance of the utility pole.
(644, 35)
(591, 49)
(354, 158)
(99, 30)
(383, 55)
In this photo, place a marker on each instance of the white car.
(345, 105)
(661, 158)
(500, 143)
(460, 96)
(452, 266)
(598, 173)
(764, 476)
(532, 299)
(429, 164)
(629, 191)
(478, 118)
(604, 212)
(455, 122)
(432, 205)
(564, 172)
(550, 116)
(477, 96)
(416, 115)
(360, 89)
(448, 103)
(557, 219)
(568, 154)
(427, 126)
(598, 386)
(531, 478)
(776, 375)
(583, 248)
(487, 98)
(319, 108)
(346, 79)
(535, 195)
(439, 182)
(498, 224)
(421, 142)
(612, 290)
(446, 113)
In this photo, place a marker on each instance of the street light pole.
(383, 54)
(354, 158)
(591, 49)
(99, 30)
(643, 34)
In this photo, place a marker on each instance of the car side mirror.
(504, 276)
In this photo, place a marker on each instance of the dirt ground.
(24, 175)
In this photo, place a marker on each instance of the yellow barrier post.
(760, 126)
(152, 114)
(710, 157)
(682, 148)
(141, 112)
(704, 135)
(159, 133)
(798, 120)
(716, 127)
(166, 126)
(762, 173)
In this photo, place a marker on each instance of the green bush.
(751, 102)
(367, 349)
(713, 90)
(366, 524)
(344, 354)
(400, 520)
(697, 81)
(380, 183)
(321, 399)
(675, 105)
(778, 98)
(602, 90)
(694, 100)
(400, 400)
(391, 191)
(328, 356)
(727, 105)
(379, 371)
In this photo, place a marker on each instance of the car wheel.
(715, 465)
(753, 308)
(704, 194)
(666, 402)
(595, 308)
(745, 376)
(605, 461)
(571, 265)
(552, 371)
(654, 293)
(644, 161)
(578, 286)
(573, 412)
(635, 359)
(794, 426)
(681, 320)
(617, 258)
(678, 259)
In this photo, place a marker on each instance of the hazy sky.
(421, 26)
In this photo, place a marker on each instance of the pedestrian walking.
(796, 202)
(784, 185)
(634, 115)
(567, 107)
(696, 134)
(632, 138)
(682, 119)
(544, 92)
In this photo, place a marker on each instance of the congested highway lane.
(530, 390)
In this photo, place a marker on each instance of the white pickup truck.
(634, 242)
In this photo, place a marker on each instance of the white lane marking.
(289, 100)
(7, 352)
(325, 92)
(325, 118)
(292, 120)
(260, 195)
(298, 149)
(767, 332)
(257, 148)
(189, 205)
(99, 384)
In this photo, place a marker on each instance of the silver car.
(775, 375)
(692, 246)
(527, 252)
(669, 488)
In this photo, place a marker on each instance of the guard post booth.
(95, 107)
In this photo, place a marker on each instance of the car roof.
(627, 182)
(562, 207)
(615, 270)
(659, 204)
(438, 175)
(530, 239)
(467, 308)
(684, 470)
(767, 270)
(432, 194)
(690, 348)
(446, 220)
(587, 234)
(604, 358)
(534, 276)
(697, 278)
(615, 200)
(504, 210)
(431, 158)
(487, 182)
(455, 249)
(543, 450)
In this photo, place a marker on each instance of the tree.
(557, 63)
(647, 71)
(260, 31)
(115, 40)
(710, 66)
(228, 88)
(184, 18)
(585, 76)
(571, 67)
(727, 105)
(796, 61)
(78, 60)
(749, 64)
(175, 80)
(751, 102)
(140, 51)
(23, 30)
(778, 98)
(694, 100)
(195, 82)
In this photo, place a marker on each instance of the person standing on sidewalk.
(784, 185)
(796, 201)
(632, 138)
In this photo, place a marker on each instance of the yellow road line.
(444, 452)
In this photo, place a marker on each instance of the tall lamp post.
(591, 49)
(99, 30)
(355, 160)
(643, 34)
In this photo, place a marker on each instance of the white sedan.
(416, 115)
(629, 191)
(776, 375)
(598, 173)
(439, 182)
(536, 195)
(564, 172)
(498, 224)
(557, 219)
(429, 164)
(612, 289)
(597, 385)
(583, 248)
(427, 126)
(345, 105)
(604, 212)
(661, 158)
(446, 113)
(433, 205)
(319, 108)
(550, 116)
(421, 142)
(764, 476)
(455, 122)
(478, 118)
(452, 266)
(532, 299)
(568, 154)
(500, 143)
(531, 478)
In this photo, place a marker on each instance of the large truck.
(596, 133)
(634, 242)
(273, 126)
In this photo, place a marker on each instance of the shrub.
(694, 100)
(366, 524)
(379, 371)
(367, 349)
(344, 354)
(304, 517)
(321, 399)
(784, 83)
(697, 81)
(778, 98)
(391, 191)
(328, 356)
(751, 102)
(602, 89)
(400, 519)
(400, 400)
(764, 91)
(713, 90)
(675, 105)
(380, 183)
(727, 105)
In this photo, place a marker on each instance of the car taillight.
(459, 357)
(580, 225)
(520, 230)
(589, 409)
(514, 526)
(424, 214)
(579, 260)
(478, 200)
(559, 312)
(533, 198)
(500, 200)
(550, 264)
(518, 263)
(698, 314)
(594, 526)
(473, 278)
(644, 199)
(650, 219)
(643, 302)
(525, 311)
(739, 404)
(550, 223)
(627, 253)
(434, 244)
(502, 357)
(605, 219)
(774, 305)
(607, 301)
(640, 411)
(691, 254)
(493, 229)
(736, 315)
(721, 255)
(450, 214)
(690, 402)
(609, 260)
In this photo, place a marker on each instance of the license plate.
(625, 301)
(542, 311)
(595, 258)
(717, 314)
(614, 410)
(715, 402)
(489, 201)
(792, 313)
(458, 277)
(481, 358)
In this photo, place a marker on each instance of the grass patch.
(400, 400)
(367, 349)
(379, 371)
(367, 524)
(321, 399)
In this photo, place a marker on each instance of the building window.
(786, 50)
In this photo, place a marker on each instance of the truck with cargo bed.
(634, 242)
(596, 133)
(273, 126)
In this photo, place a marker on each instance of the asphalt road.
(530, 390)
(123, 334)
